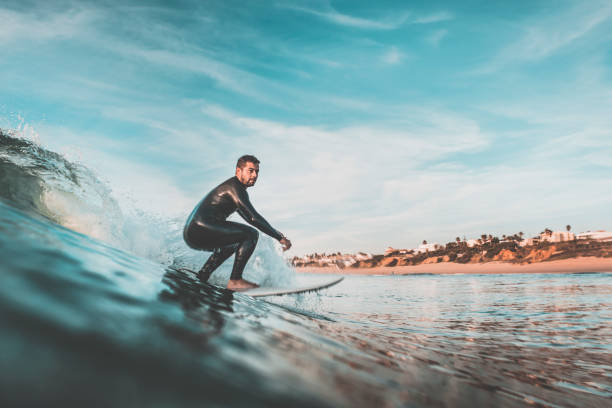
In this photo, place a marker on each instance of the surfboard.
(271, 291)
(279, 291)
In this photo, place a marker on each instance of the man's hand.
(285, 243)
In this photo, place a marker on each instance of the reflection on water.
(525, 338)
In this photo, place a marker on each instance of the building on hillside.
(557, 236)
(471, 243)
(426, 247)
(529, 241)
(600, 235)
(394, 251)
(362, 256)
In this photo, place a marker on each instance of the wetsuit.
(207, 228)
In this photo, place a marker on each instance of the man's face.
(248, 174)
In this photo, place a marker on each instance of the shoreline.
(573, 265)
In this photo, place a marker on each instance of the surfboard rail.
(275, 291)
(279, 291)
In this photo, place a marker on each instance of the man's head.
(247, 170)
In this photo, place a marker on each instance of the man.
(207, 228)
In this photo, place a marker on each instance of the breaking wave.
(46, 183)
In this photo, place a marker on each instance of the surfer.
(207, 228)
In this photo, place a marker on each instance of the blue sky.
(377, 123)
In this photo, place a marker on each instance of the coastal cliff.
(460, 253)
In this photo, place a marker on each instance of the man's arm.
(246, 211)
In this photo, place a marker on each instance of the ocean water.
(92, 316)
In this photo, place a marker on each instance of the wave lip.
(44, 182)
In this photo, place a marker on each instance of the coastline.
(573, 265)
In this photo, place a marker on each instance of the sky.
(376, 123)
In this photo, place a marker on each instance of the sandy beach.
(583, 264)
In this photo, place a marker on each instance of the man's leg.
(218, 256)
(244, 252)
(241, 238)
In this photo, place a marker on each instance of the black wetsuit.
(207, 228)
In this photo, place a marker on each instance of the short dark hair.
(247, 158)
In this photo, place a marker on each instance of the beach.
(573, 265)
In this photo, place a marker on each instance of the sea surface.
(92, 314)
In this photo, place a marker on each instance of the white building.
(389, 250)
(558, 236)
(529, 241)
(426, 248)
(362, 256)
(596, 235)
(471, 243)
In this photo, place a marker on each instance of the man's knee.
(253, 234)
(228, 250)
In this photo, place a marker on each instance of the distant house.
(362, 256)
(471, 243)
(393, 251)
(557, 236)
(600, 235)
(529, 241)
(426, 247)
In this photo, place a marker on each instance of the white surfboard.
(272, 291)
(276, 291)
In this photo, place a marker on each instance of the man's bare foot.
(240, 284)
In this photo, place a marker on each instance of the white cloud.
(341, 172)
(36, 26)
(434, 18)
(565, 119)
(375, 187)
(232, 78)
(393, 56)
(331, 15)
(437, 36)
(545, 36)
(440, 205)
(156, 43)
(390, 22)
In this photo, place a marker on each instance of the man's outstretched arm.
(250, 215)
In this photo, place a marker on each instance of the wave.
(47, 184)
(37, 180)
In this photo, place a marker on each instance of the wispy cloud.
(333, 16)
(498, 199)
(154, 44)
(226, 75)
(542, 37)
(345, 166)
(434, 18)
(392, 56)
(42, 26)
(436, 37)
(385, 23)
